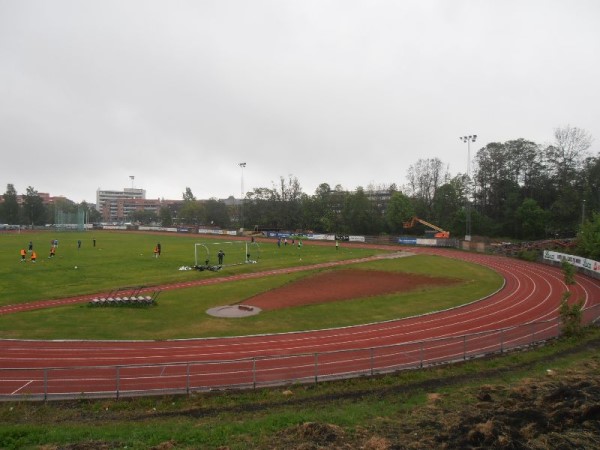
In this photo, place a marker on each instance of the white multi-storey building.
(116, 205)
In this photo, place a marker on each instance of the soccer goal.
(234, 253)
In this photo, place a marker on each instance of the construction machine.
(440, 233)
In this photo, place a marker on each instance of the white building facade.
(115, 206)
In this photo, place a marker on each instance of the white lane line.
(23, 387)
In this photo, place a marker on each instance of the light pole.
(242, 165)
(468, 140)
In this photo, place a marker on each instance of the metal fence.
(249, 373)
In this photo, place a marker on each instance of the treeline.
(32, 211)
(519, 189)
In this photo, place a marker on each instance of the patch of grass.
(126, 259)
(182, 313)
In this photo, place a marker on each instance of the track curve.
(531, 294)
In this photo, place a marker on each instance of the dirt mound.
(556, 414)
(336, 285)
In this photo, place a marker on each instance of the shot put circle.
(233, 311)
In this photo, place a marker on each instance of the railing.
(249, 373)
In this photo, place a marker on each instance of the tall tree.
(192, 213)
(10, 206)
(143, 216)
(399, 210)
(216, 213)
(449, 200)
(33, 207)
(188, 196)
(360, 215)
(289, 203)
(532, 220)
(93, 215)
(165, 216)
(567, 154)
(588, 239)
(424, 178)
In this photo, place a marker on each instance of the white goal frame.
(244, 260)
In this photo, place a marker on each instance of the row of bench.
(119, 301)
(126, 297)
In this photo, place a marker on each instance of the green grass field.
(126, 259)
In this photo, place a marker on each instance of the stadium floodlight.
(242, 165)
(468, 139)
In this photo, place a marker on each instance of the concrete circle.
(233, 311)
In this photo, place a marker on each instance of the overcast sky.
(178, 93)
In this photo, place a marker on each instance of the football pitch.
(96, 262)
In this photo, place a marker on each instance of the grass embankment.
(181, 313)
(521, 400)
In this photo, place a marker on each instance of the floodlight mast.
(468, 139)
(242, 165)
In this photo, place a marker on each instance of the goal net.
(233, 253)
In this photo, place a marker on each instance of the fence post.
(316, 368)
(118, 381)
(559, 324)
(45, 384)
(187, 379)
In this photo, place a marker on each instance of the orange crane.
(442, 234)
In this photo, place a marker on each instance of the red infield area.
(523, 311)
(342, 285)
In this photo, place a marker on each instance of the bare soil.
(559, 412)
(337, 285)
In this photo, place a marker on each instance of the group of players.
(53, 246)
(32, 253)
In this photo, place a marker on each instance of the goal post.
(236, 252)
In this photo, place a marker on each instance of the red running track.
(523, 311)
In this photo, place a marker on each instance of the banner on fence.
(577, 261)
(169, 229)
(216, 231)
